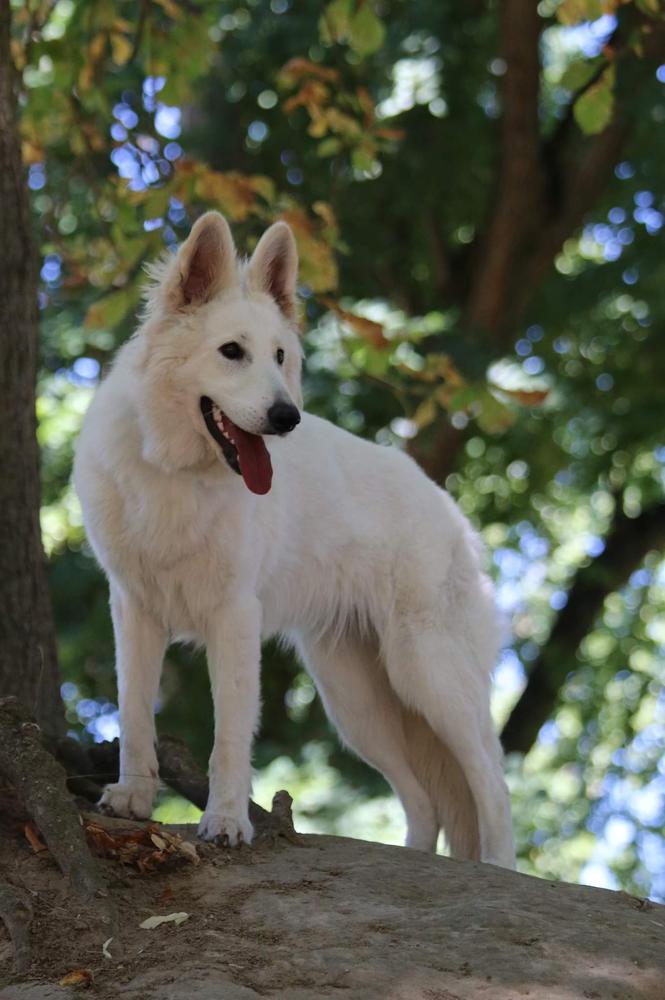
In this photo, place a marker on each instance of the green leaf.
(108, 312)
(593, 110)
(653, 7)
(493, 417)
(362, 159)
(329, 146)
(580, 72)
(574, 11)
(366, 31)
(334, 21)
(425, 413)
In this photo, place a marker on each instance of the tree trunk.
(28, 662)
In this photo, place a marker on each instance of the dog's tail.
(438, 771)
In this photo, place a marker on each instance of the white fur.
(354, 556)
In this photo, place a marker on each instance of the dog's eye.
(233, 351)
(280, 356)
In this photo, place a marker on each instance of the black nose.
(283, 417)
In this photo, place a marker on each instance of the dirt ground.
(334, 918)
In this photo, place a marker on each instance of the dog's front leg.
(234, 655)
(139, 649)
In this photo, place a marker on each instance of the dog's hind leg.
(434, 674)
(359, 701)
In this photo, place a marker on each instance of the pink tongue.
(254, 460)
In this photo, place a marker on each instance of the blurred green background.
(479, 210)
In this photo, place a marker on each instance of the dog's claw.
(129, 799)
(225, 829)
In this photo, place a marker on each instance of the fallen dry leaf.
(79, 979)
(170, 918)
(189, 851)
(147, 848)
(34, 839)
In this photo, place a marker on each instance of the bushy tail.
(438, 771)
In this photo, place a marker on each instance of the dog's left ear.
(273, 269)
(206, 261)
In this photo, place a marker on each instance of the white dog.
(222, 514)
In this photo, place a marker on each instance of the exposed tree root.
(16, 912)
(44, 788)
(90, 768)
(40, 783)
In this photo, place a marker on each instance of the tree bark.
(519, 201)
(28, 661)
(627, 543)
(41, 784)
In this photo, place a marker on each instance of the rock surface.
(336, 918)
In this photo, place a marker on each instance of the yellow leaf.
(325, 212)
(170, 8)
(234, 193)
(312, 94)
(18, 53)
(121, 49)
(97, 48)
(340, 122)
(441, 366)
(368, 329)
(425, 414)
(299, 67)
(94, 53)
(318, 266)
(527, 397)
(31, 152)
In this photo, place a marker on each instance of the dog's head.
(221, 365)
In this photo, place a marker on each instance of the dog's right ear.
(205, 264)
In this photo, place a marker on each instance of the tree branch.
(543, 191)
(628, 542)
(91, 767)
(520, 181)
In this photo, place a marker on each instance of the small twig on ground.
(16, 912)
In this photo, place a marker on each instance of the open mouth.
(246, 453)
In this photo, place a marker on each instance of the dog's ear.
(273, 269)
(206, 262)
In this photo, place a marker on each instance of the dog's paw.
(129, 798)
(225, 828)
